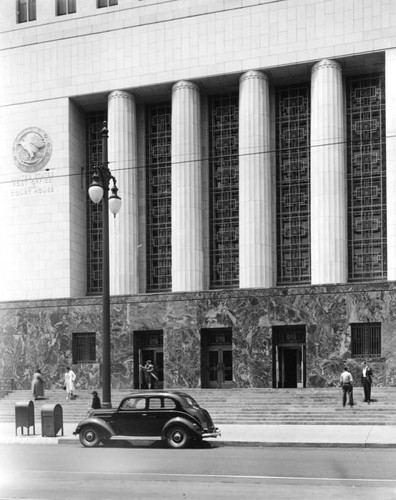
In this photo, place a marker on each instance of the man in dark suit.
(367, 379)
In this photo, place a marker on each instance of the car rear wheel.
(89, 437)
(178, 437)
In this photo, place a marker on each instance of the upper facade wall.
(145, 42)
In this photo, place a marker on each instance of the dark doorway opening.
(148, 345)
(289, 356)
(216, 358)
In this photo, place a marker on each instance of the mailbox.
(51, 420)
(24, 416)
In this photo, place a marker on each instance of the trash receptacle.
(51, 420)
(24, 416)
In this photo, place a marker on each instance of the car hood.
(101, 413)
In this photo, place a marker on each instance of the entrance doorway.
(148, 345)
(216, 358)
(289, 357)
(291, 366)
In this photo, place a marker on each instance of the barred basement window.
(26, 11)
(366, 340)
(84, 347)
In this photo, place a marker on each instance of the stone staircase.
(242, 406)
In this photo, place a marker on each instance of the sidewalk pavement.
(341, 436)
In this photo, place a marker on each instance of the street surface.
(71, 472)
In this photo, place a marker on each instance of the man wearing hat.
(95, 401)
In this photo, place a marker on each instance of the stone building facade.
(253, 144)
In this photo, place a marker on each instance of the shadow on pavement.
(118, 443)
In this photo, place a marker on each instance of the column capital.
(325, 64)
(185, 84)
(253, 74)
(118, 94)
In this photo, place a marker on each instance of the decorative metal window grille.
(64, 7)
(94, 212)
(158, 195)
(366, 340)
(367, 257)
(293, 185)
(218, 336)
(84, 347)
(288, 334)
(223, 191)
(26, 10)
(151, 338)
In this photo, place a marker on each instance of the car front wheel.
(178, 437)
(89, 437)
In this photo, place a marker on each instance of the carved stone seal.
(32, 149)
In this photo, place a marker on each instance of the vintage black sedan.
(172, 416)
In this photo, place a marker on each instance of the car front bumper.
(211, 434)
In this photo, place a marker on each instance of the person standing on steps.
(367, 380)
(347, 388)
(70, 378)
(149, 374)
(96, 404)
(37, 385)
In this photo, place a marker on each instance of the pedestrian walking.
(149, 374)
(37, 385)
(367, 380)
(347, 388)
(96, 404)
(70, 378)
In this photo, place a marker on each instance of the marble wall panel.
(41, 338)
(252, 347)
(326, 347)
(182, 346)
(39, 333)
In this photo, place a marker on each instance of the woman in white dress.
(70, 377)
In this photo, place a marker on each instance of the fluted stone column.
(123, 230)
(328, 175)
(187, 237)
(255, 216)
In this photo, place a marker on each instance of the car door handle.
(144, 414)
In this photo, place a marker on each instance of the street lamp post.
(99, 191)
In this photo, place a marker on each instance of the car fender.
(194, 428)
(98, 424)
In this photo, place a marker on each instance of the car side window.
(134, 404)
(156, 403)
(169, 404)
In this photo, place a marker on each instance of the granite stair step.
(242, 406)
